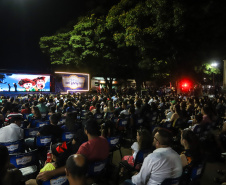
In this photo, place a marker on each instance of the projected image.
(24, 82)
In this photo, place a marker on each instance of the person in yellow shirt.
(59, 156)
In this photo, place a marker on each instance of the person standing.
(9, 86)
(15, 86)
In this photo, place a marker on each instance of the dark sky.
(23, 22)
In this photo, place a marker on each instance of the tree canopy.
(142, 39)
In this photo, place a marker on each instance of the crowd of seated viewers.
(173, 128)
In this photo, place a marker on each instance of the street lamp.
(214, 65)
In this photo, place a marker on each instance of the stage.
(15, 94)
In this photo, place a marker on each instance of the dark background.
(23, 22)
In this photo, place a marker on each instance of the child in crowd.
(59, 156)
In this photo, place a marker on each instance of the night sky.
(23, 22)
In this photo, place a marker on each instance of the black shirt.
(52, 130)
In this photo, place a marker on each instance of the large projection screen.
(24, 82)
(73, 82)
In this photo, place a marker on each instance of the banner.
(72, 82)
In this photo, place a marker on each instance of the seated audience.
(163, 163)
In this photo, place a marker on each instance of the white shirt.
(161, 164)
(135, 148)
(11, 133)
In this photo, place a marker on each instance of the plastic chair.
(58, 180)
(67, 136)
(14, 147)
(171, 181)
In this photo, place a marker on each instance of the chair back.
(141, 154)
(43, 141)
(196, 172)
(39, 123)
(98, 117)
(14, 147)
(23, 160)
(58, 180)
(122, 122)
(113, 141)
(67, 136)
(167, 124)
(30, 132)
(171, 181)
(25, 116)
(96, 168)
(139, 122)
(197, 129)
(109, 115)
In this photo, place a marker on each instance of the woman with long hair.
(191, 153)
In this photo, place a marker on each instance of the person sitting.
(53, 129)
(12, 132)
(97, 147)
(9, 175)
(59, 155)
(191, 154)
(35, 114)
(76, 169)
(163, 163)
(26, 109)
(144, 142)
(42, 107)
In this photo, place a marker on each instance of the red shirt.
(96, 149)
(25, 111)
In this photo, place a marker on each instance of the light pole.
(214, 65)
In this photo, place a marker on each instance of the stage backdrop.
(24, 82)
(72, 82)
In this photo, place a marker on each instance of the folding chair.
(97, 168)
(67, 136)
(14, 147)
(43, 141)
(30, 132)
(27, 163)
(114, 143)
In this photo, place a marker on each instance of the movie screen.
(24, 82)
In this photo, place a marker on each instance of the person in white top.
(163, 163)
(12, 132)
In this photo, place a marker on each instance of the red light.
(185, 85)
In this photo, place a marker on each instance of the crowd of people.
(174, 129)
